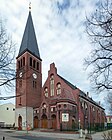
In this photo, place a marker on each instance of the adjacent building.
(7, 115)
(109, 118)
(108, 123)
(58, 104)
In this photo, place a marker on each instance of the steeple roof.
(29, 41)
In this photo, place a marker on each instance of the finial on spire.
(30, 6)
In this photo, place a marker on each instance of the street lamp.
(79, 124)
(80, 131)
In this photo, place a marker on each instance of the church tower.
(29, 77)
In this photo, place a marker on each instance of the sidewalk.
(62, 135)
(59, 135)
(52, 134)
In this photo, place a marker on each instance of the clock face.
(34, 76)
(20, 74)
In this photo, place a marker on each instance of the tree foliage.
(99, 29)
(7, 53)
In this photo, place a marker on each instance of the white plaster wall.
(7, 116)
(24, 112)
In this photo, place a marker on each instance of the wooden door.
(44, 122)
(35, 122)
(19, 123)
(54, 122)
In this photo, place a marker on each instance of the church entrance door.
(19, 123)
(53, 117)
(44, 122)
(35, 122)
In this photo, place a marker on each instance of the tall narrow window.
(52, 85)
(33, 63)
(20, 83)
(34, 84)
(19, 64)
(30, 61)
(37, 65)
(46, 92)
(7, 108)
(23, 61)
(20, 101)
(58, 88)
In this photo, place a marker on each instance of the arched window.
(52, 85)
(65, 106)
(20, 83)
(34, 84)
(58, 88)
(30, 61)
(46, 92)
(20, 101)
(86, 106)
(44, 107)
(93, 109)
(34, 63)
(37, 65)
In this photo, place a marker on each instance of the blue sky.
(60, 31)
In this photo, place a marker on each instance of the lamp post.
(26, 116)
(80, 131)
(26, 121)
(79, 124)
(89, 119)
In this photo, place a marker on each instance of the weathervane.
(30, 6)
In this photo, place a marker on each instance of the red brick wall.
(33, 94)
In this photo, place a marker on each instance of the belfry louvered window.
(34, 63)
(30, 61)
(37, 65)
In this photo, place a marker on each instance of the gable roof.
(68, 83)
(83, 95)
(29, 42)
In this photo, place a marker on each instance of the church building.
(58, 104)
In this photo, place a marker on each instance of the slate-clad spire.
(29, 42)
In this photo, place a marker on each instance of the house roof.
(83, 95)
(29, 41)
(68, 83)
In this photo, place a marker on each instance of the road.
(37, 135)
(10, 135)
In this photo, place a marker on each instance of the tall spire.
(29, 42)
(30, 6)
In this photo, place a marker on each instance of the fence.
(99, 127)
(96, 127)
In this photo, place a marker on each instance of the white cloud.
(60, 34)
